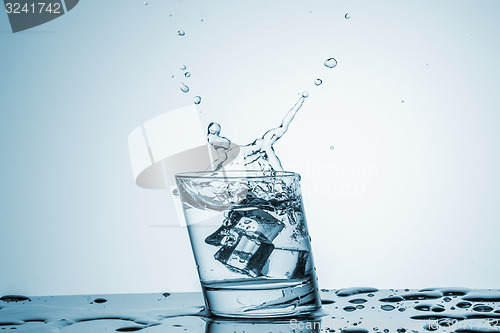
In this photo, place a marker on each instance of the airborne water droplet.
(330, 62)
(318, 82)
(197, 100)
(183, 67)
(347, 16)
(187, 74)
(183, 87)
(305, 94)
(145, 3)
(181, 32)
(331, 147)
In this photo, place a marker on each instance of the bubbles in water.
(181, 33)
(183, 67)
(183, 87)
(305, 94)
(188, 74)
(197, 100)
(347, 16)
(318, 82)
(330, 62)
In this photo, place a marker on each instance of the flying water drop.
(347, 16)
(180, 33)
(188, 74)
(145, 3)
(197, 100)
(183, 67)
(305, 94)
(330, 62)
(183, 87)
(318, 82)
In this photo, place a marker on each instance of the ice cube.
(247, 255)
(221, 235)
(289, 263)
(247, 221)
(257, 220)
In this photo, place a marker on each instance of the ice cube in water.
(247, 255)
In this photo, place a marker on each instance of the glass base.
(262, 298)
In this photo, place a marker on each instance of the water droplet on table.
(318, 82)
(330, 62)
(387, 307)
(183, 87)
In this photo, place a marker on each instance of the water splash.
(258, 154)
(318, 82)
(330, 62)
(183, 87)
(197, 99)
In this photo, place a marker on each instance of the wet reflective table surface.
(344, 310)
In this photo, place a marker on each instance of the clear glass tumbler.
(250, 242)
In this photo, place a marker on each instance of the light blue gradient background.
(408, 197)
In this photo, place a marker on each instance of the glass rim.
(235, 174)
